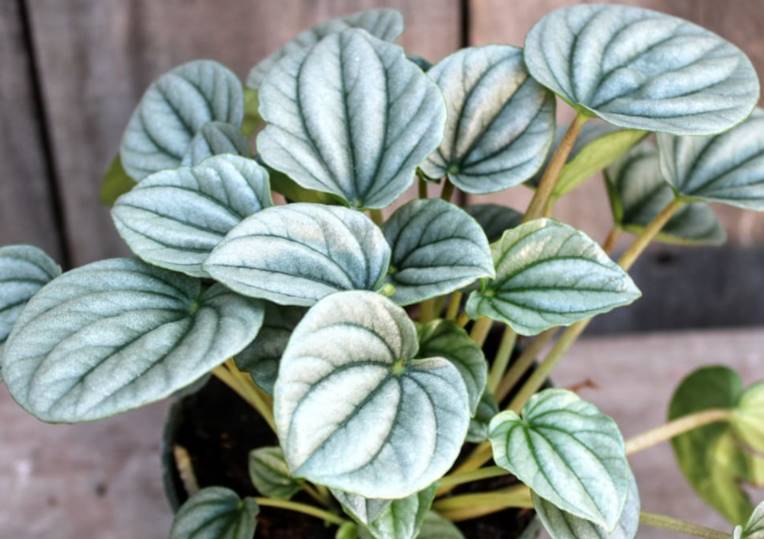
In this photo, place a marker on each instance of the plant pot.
(213, 430)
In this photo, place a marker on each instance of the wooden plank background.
(74, 69)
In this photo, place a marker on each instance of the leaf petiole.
(675, 428)
(301, 508)
(664, 522)
(500, 361)
(246, 388)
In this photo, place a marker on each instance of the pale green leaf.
(385, 24)
(269, 472)
(562, 525)
(486, 409)
(215, 513)
(173, 109)
(117, 334)
(115, 183)
(175, 218)
(638, 193)
(549, 274)
(359, 508)
(748, 420)
(24, 270)
(352, 117)
(726, 168)
(348, 530)
(641, 69)
(754, 528)
(216, 138)
(436, 248)
(567, 452)
(402, 519)
(299, 253)
(261, 358)
(435, 526)
(352, 406)
(500, 122)
(444, 338)
(495, 219)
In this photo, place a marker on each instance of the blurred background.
(72, 72)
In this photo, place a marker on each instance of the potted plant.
(370, 381)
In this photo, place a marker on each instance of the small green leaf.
(352, 405)
(360, 509)
(24, 270)
(754, 528)
(402, 519)
(216, 138)
(567, 452)
(726, 168)
(486, 409)
(117, 334)
(261, 358)
(495, 219)
(269, 472)
(348, 530)
(500, 121)
(436, 248)
(385, 24)
(641, 69)
(175, 218)
(562, 525)
(443, 338)
(115, 183)
(173, 110)
(638, 193)
(350, 116)
(748, 420)
(299, 253)
(549, 274)
(215, 513)
(710, 457)
(435, 526)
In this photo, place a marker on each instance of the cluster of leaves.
(308, 296)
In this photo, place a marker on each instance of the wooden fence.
(72, 71)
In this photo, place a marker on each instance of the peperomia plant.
(362, 336)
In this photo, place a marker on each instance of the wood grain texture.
(26, 204)
(97, 57)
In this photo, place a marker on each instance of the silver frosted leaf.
(117, 334)
(403, 518)
(175, 218)
(641, 69)
(500, 122)
(386, 24)
(754, 528)
(299, 253)
(726, 168)
(638, 192)
(360, 509)
(24, 269)
(216, 138)
(173, 109)
(269, 473)
(549, 274)
(436, 248)
(352, 406)
(215, 513)
(351, 116)
(435, 526)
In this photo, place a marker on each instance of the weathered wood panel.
(26, 202)
(96, 59)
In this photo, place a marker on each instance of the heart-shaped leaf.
(435, 526)
(726, 168)
(216, 138)
(436, 248)
(443, 338)
(361, 509)
(486, 409)
(261, 358)
(494, 219)
(115, 183)
(117, 334)
(641, 69)
(352, 117)
(269, 472)
(754, 528)
(562, 525)
(385, 24)
(638, 192)
(597, 146)
(215, 513)
(500, 122)
(175, 218)
(24, 270)
(549, 274)
(402, 519)
(173, 110)
(711, 458)
(351, 405)
(748, 420)
(567, 452)
(299, 253)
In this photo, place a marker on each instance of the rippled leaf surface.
(215, 513)
(269, 472)
(361, 509)
(402, 519)
(216, 138)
